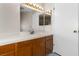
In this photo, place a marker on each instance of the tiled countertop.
(18, 37)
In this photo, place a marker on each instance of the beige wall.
(9, 18)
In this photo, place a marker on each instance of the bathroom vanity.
(40, 46)
(37, 39)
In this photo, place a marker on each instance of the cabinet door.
(7, 50)
(49, 44)
(39, 47)
(25, 49)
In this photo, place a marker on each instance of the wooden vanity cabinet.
(7, 50)
(43, 46)
(49, 44)
(39, 47)
(36, 47)
(24, 48)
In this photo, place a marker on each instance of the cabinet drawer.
(7, 48)
(39, 42)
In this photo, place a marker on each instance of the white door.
(66, 22)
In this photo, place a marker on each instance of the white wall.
(9, 17)
(66, 21)
(26, 21)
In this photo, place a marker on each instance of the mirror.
(26, 19)
(29, 21)
(33, 21)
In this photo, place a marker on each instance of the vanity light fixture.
(33, 6)
(37, 7)
(49, 12)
